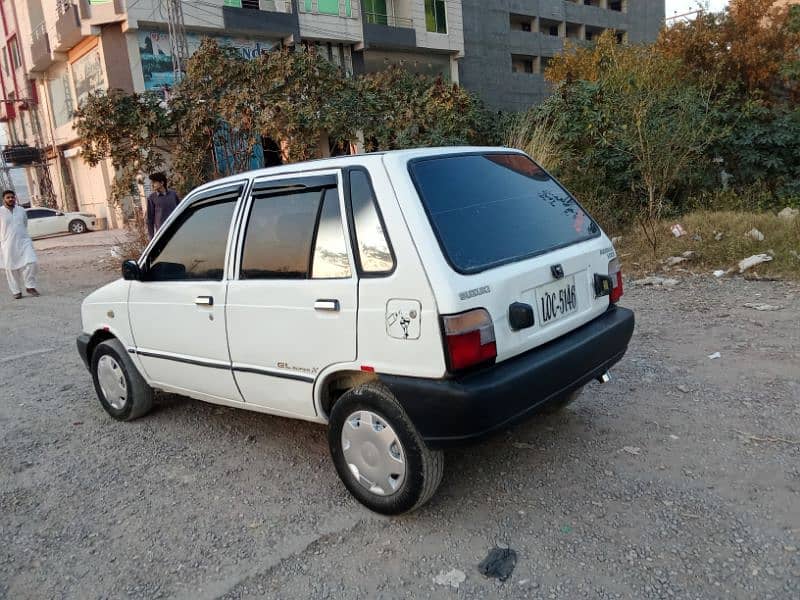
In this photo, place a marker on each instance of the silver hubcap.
(373, 453)
(112, 382)
(77, 227)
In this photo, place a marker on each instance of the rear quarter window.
(493, 208)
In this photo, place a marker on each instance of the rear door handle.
(204, 301)
(329, 305)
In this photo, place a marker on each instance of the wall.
(489, 42)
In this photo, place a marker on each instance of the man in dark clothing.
(160, 203)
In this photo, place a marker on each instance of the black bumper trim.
(451, 412)
(83, 347)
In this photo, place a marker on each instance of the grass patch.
(781, 239)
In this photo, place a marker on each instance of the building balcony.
(68, 27)
(260, 17)
(41, 56)
(388, 32)
(99, 12)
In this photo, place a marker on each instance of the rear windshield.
(490, 209)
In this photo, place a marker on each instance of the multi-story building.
(508, 43)
(65, 49)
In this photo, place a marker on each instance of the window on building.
(522, 64)
(329, 7)
(522, 22)
(617, 5)
(621, 37)
(5, 62)
(375, 12)
(436, 16)
(13, 46)
(549, 27)
(544, 62)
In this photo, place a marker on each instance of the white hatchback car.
(47, 221)
(410, 301)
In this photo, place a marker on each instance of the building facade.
(56, 52)
(508, 43)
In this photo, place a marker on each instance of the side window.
(36, 214)
(295, 234)
(194, 248)
(330, 250)
(374, 251)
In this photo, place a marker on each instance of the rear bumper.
(83, 347)
(449, 412)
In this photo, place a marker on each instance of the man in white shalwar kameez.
(16, 247)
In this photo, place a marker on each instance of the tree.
(128, 128)
(752, 47)
(636, 126)
(404, 110)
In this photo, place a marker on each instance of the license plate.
(557, 300)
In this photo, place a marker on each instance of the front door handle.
(204, 301)
(329, 305)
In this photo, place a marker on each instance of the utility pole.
(177, 38)
(46, 193)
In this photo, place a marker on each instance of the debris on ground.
(662, 281)
(788, 213)
(697, 237)
(762, 307)
(718, 235)
(689, 254)
(715, 356)
(683, 389)
(636, 451)
(755, 234)
(616, 240)
(499, 564)
(795, 254)
(752, 261)
(674, 260)
(524, 446)
(452, 578)
(677, 230)
(719, 273)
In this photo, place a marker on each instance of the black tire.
(424, 467)
(138, 399)
(77, 226)
(561, 403)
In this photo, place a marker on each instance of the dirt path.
(679, 479)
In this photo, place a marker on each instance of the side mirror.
(131, 271)
(59, 214)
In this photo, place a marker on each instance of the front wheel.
(122, 391)
(378, 453)
(77, 226)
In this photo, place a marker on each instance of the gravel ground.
(679, 479)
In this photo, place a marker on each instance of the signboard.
(87, 74)
(155, 52)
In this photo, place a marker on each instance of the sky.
(677, 7)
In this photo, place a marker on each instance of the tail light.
(615, 273)
(469, 339)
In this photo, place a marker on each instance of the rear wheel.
(77, 226)
(122, 391)
(378, 453)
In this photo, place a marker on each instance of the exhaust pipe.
(604, 377)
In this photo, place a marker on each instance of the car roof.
(339, 162)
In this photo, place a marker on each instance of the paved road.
(679, 479)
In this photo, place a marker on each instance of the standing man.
(16, 246)
(160, 203)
